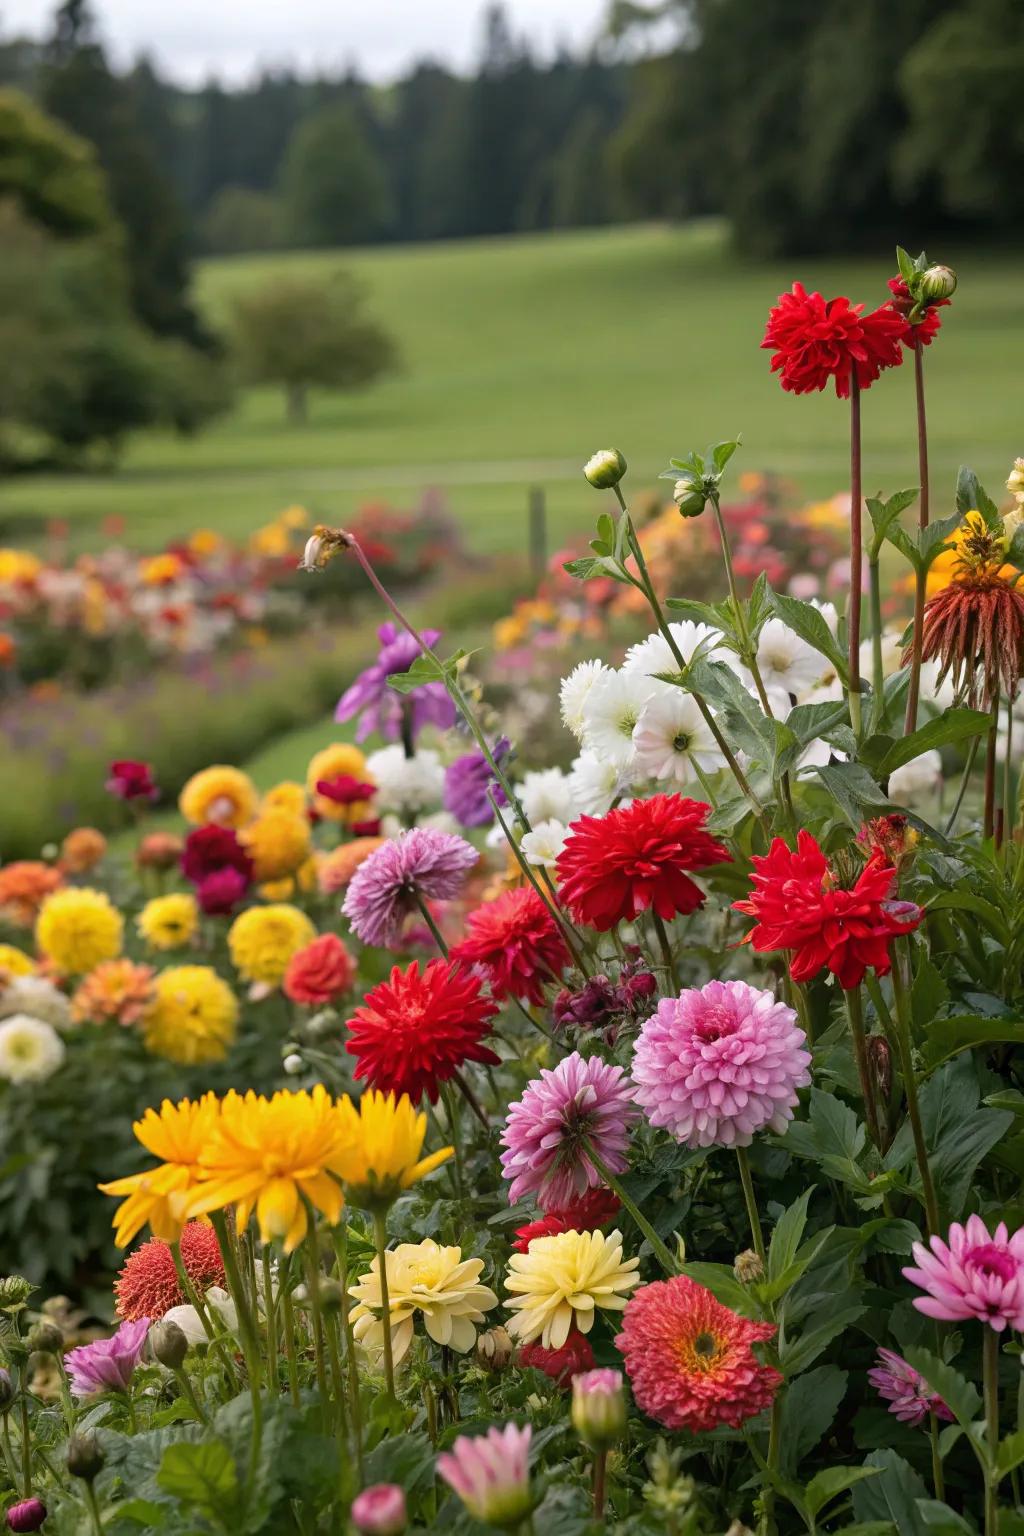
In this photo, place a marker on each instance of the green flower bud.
(598, 1407)
(84, 1457)
(689, 498)
(605, 469)
(168, 1344)
(494, 1349)
(45, 1338)
(938, 283)
(14, 1292)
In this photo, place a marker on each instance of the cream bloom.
(545, 796)
(564, 1279)
(37, 997)
(30, 1049)
(787, 662)
(673, 740)
(426, 1278)
(595, 784)
(573, 693)
(542, 846)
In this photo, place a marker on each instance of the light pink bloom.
(491, 1474)
(976, 1273)
(598, 1406)
(421, 863)
(906, 1389)
(107, 1364)
(716, 1066)
(547, 1132)
(380, 1510)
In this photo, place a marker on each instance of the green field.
(523, 355)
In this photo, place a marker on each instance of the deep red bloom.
(148, 1285)
(562, 1364)
(129, 779)
(518, 943)
(212, 848)
(800, 906)
(816, 339)
(616, 866)
(320, 973)
(219, 893)
(343, 789)
(415, 1030)
(590, 1211)
(924, 331)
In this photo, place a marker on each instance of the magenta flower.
(380, 707)
(380, 1510)
(717, 1065)
(974, 1274)
(130, 779)
(550, 1130)
(491, 1474)
(466, 784)
(107, 1364)
(26, 1516)
(906, 1389)
(422, 863)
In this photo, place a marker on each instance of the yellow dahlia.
(263, 939)
(381, 1147)
(169, 922)
(220, 794)
(562, 1280)
(422, 1277)
(176, 1134)
(15, 962)
(118, 991)
(278, 843)
(289, 795)
(192, 1017)
(338, 761)
(78, 927)
(265, 1155)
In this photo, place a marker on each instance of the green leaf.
(427, 669)
(1015, 552)
(893, 1495)
(743, 723)
(808, 1408)
(960, 1396)
(905, 262)
(202, 1475)
(934, 539)
(786, 1238)
(884, 513)
(585, 569)
(721, 453)
(796, 1355)
(900, 539)
(809, 623)
(972, 497)
(855, 791)
(809, 721)
(143, 1512)
(957, 1133)
(830, 1483)
(952, 725)
(723, 1285)
(961, 899)
(948, 1037)
(1011, 1452)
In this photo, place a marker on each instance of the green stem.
(471, 1099)
(9, 1456)
(290, 1342)
(26, 1437)
(659, 1249)
(341, 1252)
(317, 1312)
(427, 917)
(453, 1135)
(991, 744)
(549, 897)
(965, 778)
(938, 1480)
(877, 664)
(94, 1510)
(666, 952)
(991, 1384)
(250, 1342)
(901, 997)
(600, 1467)
(380, 1235)
(182, 1378)
(1009, 809)
(753, 1216)
(774, 1450)
(921, 585)
(270, 1315)
(860, 1050)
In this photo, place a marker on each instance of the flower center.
(992, 1260)
(715, 1023)
(681, 742)
(626, 724)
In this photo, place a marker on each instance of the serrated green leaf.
(788, 1233)
(971, 496)
(722, 1283)
(892, 1495)
(833, 1481)
(884, 513)
(960, 1396)
(1011, 1452)
(795, 1355)
(202, 1475)
(808, 1407)
(934, 539)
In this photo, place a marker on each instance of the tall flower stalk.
(856, 556)
(924, 515)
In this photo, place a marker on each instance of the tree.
(239, 219)
(51, 174)
(304, 334)
(334, 185)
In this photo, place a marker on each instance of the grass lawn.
(523, 355)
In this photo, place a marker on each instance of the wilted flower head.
(491, 1474)
(906, 1390)
(107, 1364)
(974, 1274)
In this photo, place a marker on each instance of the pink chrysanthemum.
(910, 1396)
(107, 1364)
(689, 1359)
(975, 1274)
(491, 1474)
(422, 863)
(717, 1065)
(549, 1131)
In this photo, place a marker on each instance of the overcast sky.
(194, 38)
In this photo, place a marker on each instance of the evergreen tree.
(334, 185)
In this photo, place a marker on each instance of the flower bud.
(293, 1063)
(690, 499)
(680, 1248)
(15, 1290)
(938, 283)
(7, 1393)
(598, 1407)
(26, 1516)
(169, 1344)
(332, 1295)
(748, 1267)
(605, 469)
(45, 1338)
(84, 1457)
(494, 1349)
(380, 1511)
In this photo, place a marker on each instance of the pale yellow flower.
(422, 1277)
(564, 1279)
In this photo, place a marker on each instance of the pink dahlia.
(974, 1274)
(491, 1474)
(716, 1065)
(107, 1364)
(906, 1389)
(548, 1134)
(420, 864)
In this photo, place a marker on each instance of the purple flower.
(975, 1274)
(906, 1389)
(380, 707)
(491, 1474)
(717, 1065)
(466, 782)
(107, 1363)
(420, 863)
(26, 1516)
(548, 1133)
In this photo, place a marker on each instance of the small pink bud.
(380, 1511)
(26, 1516)
(598, 1407)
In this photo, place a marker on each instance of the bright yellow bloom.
(176, 1135)
(192, 1017)
(18, 565)
(160, 570)
(169, 922)
(278, 842)
(221, 794)
(272, 539)
(289, 795)
(564, 1279)
(974, 549)
(265, 1155)
(422, 1277)
(78, 927)
(381, 1149)
(263, 939)
(341, 758)
(294, 517)
(205, 542)
(15, 962)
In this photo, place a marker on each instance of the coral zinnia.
(614, 867)
(562, 1281)
(582, 1103)
(192, 1017)
(176, 1135)
(974, 1274)
(414, 1031)
(335, 868)
(419, 865)
(149, 1286)
(689, 1358)
(816, 339)
(517, 942)
(717, 1064)
(799, 905)
(320, 973)
(24, 886)
(117, 991)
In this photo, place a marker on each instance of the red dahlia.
(415, 1030)
(562, 1364)
(616, 866)
(816, 339)
(800, 905)
(210, 849)
(517, 942)
(148, 1285)
(586, 1214)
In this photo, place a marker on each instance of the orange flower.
(335, 869)
(118, 991)
(24, 886)
(82, 850)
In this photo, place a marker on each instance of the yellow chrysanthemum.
(176, 1135)
(221, 794)
(381, 1149)
(266, 1155)
(192, 1017)
(278, 842)
(169, 922)
(15, 962)
(294, 517)
(78, 927)
(289, 795)
(263, 939)
(272, 539)
(341, 758)
(563, 1279)
(18, 565)
(422, 1277)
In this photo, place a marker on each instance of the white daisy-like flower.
(37, 997)
(828, 613)
(30, 1049)
(828, 692)
(917, 779)
(787, 662)
(892, 654)
(673, 740)
(612, 709)
(649, 657)
(595, 784)
(573, 693)
(545, 796)
(405, 783)
(542, 846)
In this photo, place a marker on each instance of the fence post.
(538, 532)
